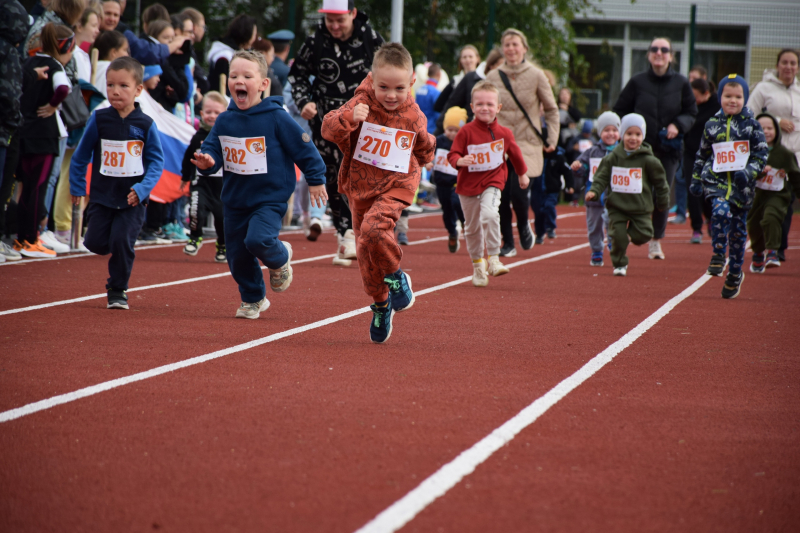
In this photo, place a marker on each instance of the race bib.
(441, 164)
(626, 180)
(773, 180)
(385, 147)
(121, 158)
(244, 155)
(584, 144)
(730, 156)
(488, 156)
(594, 164)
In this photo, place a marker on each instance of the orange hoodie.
(361, 181)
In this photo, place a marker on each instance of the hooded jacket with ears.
(286, 143)
(724, 128)
(13, 29)
(782, 158)
(361, 181)
(653, 177)
(773, 97)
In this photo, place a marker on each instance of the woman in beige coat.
(531, 88)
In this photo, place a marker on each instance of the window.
(602, 84)
(649, 32)
(717, 35)
(720, 64)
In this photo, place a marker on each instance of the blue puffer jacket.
(724, 128)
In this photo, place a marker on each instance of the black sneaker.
(193, 246)
(508, 250)
(221, 256)
(540, 239)
(452, 243)
(525, 236)
(782, 256)
(117, 299)
(380, 328)
(733, 284)
(551, 234)
(717, 265)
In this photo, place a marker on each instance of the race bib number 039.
(773, 180)
(385, 147)
(487, 156)
(121, 158)
(594, 164)
(626, 180)
(441, 163)
(731, 156)
(244, 155)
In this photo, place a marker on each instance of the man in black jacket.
(338, 56)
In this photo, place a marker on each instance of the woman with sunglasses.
(665, 99)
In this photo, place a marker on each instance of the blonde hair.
(468, 47)
(216, 96)
(255, 57)
(393, 55)
(485, 86)
(513, 32)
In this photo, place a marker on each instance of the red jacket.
(477, 132)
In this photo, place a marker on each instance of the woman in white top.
(86, 31)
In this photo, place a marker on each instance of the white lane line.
(171, 283)
(405, 509)
(42, 405)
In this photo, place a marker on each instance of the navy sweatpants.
(114, 231)
(251, 235)
(451, 207)
(543, 204)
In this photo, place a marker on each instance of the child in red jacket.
(478, 152)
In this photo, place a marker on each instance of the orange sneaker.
(27, 249)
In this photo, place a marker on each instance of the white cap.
(609, 118)
(633, 119)
(334, 6)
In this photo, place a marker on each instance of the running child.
(585, 167)
(124, 148)
(257, 144)
(478, 152)
(632, 172)
(774, 190)
(732, 154)
(384, 138)
(444, 176)
(40, 133)
(205, 191)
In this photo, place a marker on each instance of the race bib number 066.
(385, 147)
(730, 156)
(244, 155)
(121, 158)
(626, 180)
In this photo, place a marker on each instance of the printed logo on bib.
(441, 163)
(773, 180)
(121, 158)
(626, 180)
(594, 164)
(385, 147)
(487, 156)
(731, 156)
(244, 155)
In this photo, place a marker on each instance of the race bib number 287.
(121, 158)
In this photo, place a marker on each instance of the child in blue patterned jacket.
(732, 154)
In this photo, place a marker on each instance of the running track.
(559, 398)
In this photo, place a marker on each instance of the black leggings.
(512, 196)
(33, 171)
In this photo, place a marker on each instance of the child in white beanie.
(585, 167)
(632, 172)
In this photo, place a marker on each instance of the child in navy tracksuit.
(545, 190)
(257, 143)
(124, 148)
(733, 134)
(445, 176)
(585, 167)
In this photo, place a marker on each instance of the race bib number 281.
(487, 156)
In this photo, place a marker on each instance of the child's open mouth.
(241, 95)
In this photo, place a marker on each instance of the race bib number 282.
(244, 155)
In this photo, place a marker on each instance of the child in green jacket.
(632, 172)
(773, 194)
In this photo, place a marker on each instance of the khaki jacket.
(531, 87)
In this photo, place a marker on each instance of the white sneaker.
(281, 278)
(621, 271)
(252, 311)
(655, 250)
(50, 240)
(8, 253)
(414, 208)
(339, 259)
(479, 277)
(347, 246)
(63, 236)
(496, 268)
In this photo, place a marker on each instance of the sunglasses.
(663, 50)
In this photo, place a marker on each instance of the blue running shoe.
(380, 328)
(399, 283)
(597, 259)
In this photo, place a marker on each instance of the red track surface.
(694, 427)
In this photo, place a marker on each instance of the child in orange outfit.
(384, 138)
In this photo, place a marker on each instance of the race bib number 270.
(385, 147)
